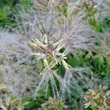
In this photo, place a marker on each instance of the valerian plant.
(54, 104)
(51, 56)
(98, 99)
(44, 39)
(54, 41)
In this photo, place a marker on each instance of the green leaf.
(40, 65)
(93, 108)
(59, 9)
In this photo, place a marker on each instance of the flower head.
(51, 53)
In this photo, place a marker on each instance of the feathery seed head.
(50, 53)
